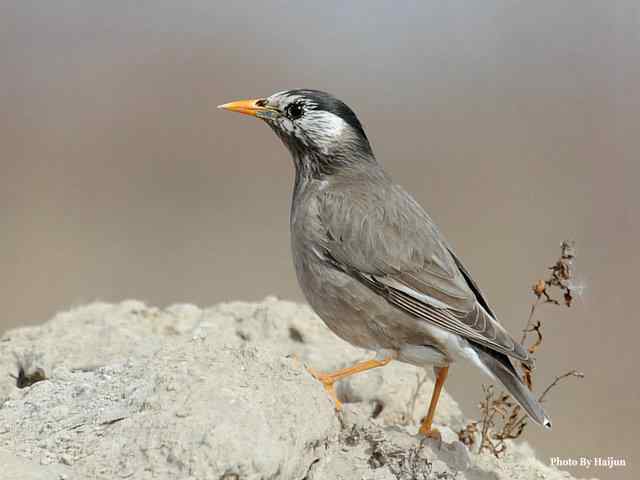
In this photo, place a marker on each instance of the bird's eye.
(295, 111)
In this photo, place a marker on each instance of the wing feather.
(398, 252)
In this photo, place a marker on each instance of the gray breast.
(350, 309)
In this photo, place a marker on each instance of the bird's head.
(321, 132)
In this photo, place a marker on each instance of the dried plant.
(501, 418)
(28, 370)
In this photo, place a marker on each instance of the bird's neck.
(312, 168)
(312, 165)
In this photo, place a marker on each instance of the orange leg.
(425, 428)
(328, 379)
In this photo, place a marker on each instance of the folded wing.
(398, 252)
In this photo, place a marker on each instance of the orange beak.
(255, 108)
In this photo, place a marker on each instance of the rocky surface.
(182, 393)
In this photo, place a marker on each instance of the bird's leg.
(425, 428)
(329, 379)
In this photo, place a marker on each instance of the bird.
(372, 263)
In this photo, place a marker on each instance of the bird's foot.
(433, 433)
(328, 382)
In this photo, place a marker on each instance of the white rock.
(220, 393)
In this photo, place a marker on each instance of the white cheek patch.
(333, 125)
(323, 128)
(315, 128)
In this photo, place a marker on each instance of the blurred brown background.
(515, 124)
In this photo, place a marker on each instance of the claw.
(329, 379)
(433, 433)
(328, 382)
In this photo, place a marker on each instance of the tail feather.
(518, 390)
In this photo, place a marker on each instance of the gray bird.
(372, 263)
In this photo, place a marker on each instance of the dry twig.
(559, 378)
(502, 418)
